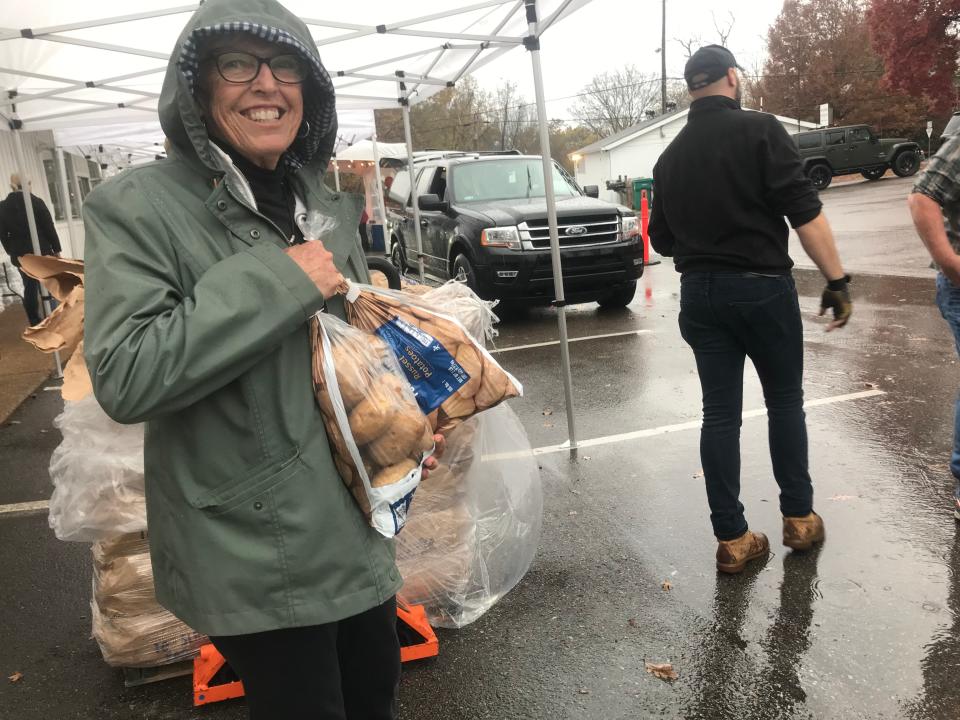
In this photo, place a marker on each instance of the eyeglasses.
(241, 67)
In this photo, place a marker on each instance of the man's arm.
(817, 240)
(661, 238)
(46, 229)
(816, 237)
(928, 220)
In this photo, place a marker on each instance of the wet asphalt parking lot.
(867, 627)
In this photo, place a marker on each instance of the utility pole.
(663, 60)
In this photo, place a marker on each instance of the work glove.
(836, 297)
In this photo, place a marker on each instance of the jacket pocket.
(223, 499)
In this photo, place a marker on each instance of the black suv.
(844, 150)
(484, 220)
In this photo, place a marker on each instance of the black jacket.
(722, 188)
(15, 233)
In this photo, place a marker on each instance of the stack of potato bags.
(98, 496)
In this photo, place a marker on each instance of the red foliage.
(918, 42)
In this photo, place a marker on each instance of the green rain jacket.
(196, 323)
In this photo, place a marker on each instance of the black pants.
(31, 299)
(725, 318)
(346, 670)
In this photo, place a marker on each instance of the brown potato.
(394, 473)
(469, 359)
(400, 440)
(458, 406)
(353, 378)
(372, 417)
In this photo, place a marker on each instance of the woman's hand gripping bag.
(453, 377)
(378, 434)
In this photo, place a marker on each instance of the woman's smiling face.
(260, 118)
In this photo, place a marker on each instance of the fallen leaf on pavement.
(583, 691)
(632, 622)
(547, 411)
(16, 677)
(667, 585)
(664, 671)
(698, 474)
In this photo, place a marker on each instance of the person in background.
(935, 208)
(15, 238)
(200, 287)
(721, 191)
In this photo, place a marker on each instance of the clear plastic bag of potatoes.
(475, 528)
(379, 436)
(452, 376)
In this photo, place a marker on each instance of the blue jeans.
(726, 318)
(948, 300)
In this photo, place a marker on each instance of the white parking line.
(694, 424)
(25, 508)
(573, 340)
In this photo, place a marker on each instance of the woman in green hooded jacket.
(199, 286)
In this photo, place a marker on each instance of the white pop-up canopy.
(66, 65)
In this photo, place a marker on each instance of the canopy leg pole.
(404, 101)
(31, 220)
(532, 43)
(336, 174)
(379, 194)
(65, 199)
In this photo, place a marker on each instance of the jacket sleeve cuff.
(800, 219)
(297, 282)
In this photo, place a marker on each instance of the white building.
(633, 152)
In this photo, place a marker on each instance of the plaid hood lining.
(319, 109)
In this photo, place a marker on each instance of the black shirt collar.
(713, 102)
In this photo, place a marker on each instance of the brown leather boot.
(800, 533)
(733, 555)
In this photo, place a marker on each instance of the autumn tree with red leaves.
(820, 52)
(918, 41)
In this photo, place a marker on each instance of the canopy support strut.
(532, 44)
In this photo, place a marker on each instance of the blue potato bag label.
(433, 373)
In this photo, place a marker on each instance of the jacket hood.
(180, 114)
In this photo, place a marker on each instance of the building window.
(53, 185)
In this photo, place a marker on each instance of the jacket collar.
(711, 103)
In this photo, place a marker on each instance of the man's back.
(722, 188)
(15, 229)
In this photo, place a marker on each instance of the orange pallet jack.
(214, 681)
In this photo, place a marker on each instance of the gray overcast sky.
(607, 34)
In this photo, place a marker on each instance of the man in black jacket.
(721, 191)
(15, 238)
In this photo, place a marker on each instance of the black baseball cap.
(707, 65)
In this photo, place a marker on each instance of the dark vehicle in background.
(854, 148)
(484, 220)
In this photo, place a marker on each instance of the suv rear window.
(809, 140)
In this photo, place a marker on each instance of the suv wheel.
(873, 173)
(820, 175)
(463, 272)
(619, 298)
(398, 257)
(906, 163)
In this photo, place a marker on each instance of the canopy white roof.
(72, 64)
